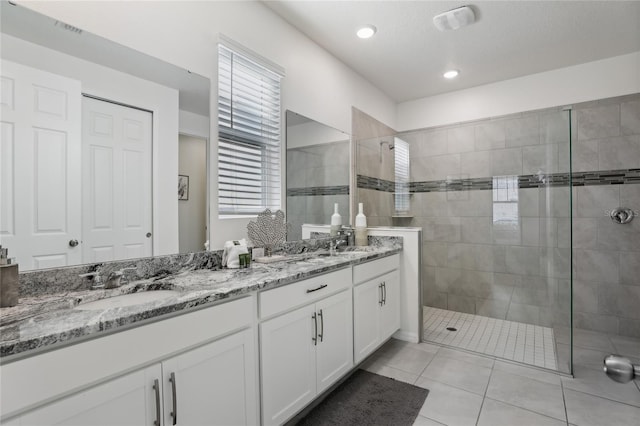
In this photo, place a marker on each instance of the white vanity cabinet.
(214, 382)
(307, 349)
(127, 400)
(212, 385)
(376, 304)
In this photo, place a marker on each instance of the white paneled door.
(40, 167)
(116, 181)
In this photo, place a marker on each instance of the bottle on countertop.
(361, 227)
(8, 280)
(336, 221)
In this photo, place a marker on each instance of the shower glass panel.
(494, 200)
(606, 251)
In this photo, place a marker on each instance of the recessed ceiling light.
(451, 74)
(366, 32)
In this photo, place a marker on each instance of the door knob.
(73, 243)
(148, 235)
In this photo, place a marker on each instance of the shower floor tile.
(516, 341)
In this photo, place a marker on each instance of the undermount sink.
(130, 299)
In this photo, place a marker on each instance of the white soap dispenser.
(336, 221)
(361, 228)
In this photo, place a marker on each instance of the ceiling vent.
(454, 19)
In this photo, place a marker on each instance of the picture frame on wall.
(183, 187)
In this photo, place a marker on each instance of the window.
(401, 157)
(248, 135)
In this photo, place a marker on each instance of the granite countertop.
(49, 321)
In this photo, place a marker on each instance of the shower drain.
(452, 329)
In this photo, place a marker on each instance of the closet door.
(40, 167)
(116, 183)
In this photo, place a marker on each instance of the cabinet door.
(214, 384)
(366, 305)
(390, 309)
(334, 352)
(127, 400)
(288, 364)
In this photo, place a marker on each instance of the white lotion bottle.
(361, 228)
(336, 221)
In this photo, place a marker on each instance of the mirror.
(318, 173)
(70, 197)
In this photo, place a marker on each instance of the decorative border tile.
(318, 190)
(368, 182)
(603, 177)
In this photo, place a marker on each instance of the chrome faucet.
(114, 279)
(345, 238)
(95, 277)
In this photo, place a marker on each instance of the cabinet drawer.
(369, 270)
(302, 292)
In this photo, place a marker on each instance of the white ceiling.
(407, 56)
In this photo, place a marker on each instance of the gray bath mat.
(368, 399)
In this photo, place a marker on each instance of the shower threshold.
(515, 341)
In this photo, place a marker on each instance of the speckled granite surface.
(49, 313)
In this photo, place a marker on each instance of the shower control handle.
(621, 215)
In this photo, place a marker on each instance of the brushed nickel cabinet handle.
(314, 317)
(156, 388)
(321, 334)
(174, 413)
(380, 294)
(384, 292)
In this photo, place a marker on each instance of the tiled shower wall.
(374, 166)
(517, 266)
(606, 255)
(317, 177)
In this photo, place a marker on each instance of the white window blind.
(401, 157)
(249, 135)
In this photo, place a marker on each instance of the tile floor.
(527, 343)
(470, 389)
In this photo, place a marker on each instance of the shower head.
(390, 144)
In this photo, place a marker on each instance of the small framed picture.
(183, 187)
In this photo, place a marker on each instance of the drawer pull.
(317, 288)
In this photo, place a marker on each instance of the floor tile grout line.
(486, 389)
(453, 386)
(602, 397)
(428, 363)
(525, 409)
(564, 403)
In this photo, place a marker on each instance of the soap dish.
(269, 259)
